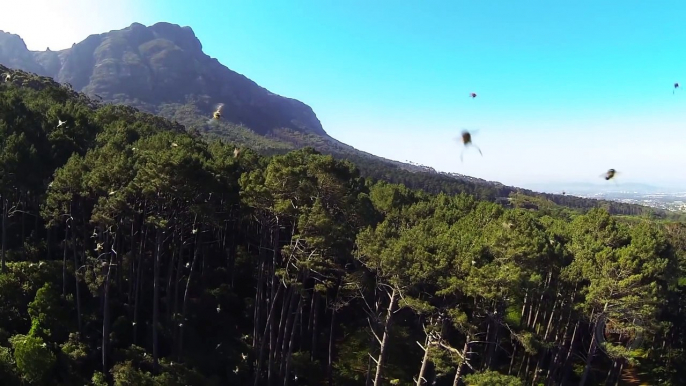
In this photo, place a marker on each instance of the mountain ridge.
(161, 63)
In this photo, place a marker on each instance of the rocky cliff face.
(162, 63)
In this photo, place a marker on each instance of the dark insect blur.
(676, 86)
(610, 174)
(472, 95)
(467, 141)
(218, 111)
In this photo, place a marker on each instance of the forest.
(136, 252)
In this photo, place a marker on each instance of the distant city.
(669, 201)
(667, 198)
(672, 199)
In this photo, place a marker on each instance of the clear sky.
(567, 89)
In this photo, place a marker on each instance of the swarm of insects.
(466, 139)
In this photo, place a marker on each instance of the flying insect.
(610, 175)
(218, 112)
(676, 86)
(466, 139)
(472, 95)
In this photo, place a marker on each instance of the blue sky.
(567, 89)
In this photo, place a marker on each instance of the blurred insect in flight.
(466, 139)
(676, 86)
(217, 115)
(472, 95)
(218, 111)
(610, 174)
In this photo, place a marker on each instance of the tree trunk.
(156, 299)
(425, 360)
(184, 306)
(329, 365)
(465, 358)
(132, 268)
(64, 260)
(589, 359)
(267, 325)
(544, 353)
(383, 350)
(567, 365)
(106, 317)
(76, 275)
(619, 372)
(291, 344)
(5, 203)
(291, 316)
(277, 335)
(139, 284)
(591, 353)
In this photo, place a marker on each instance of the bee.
(466, 139)
(610, 174)
(218, 112)
(472, 95)
(676, 86)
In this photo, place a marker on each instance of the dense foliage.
(136, 253)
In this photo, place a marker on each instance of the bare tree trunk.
(296, 301)
(132, 268)
(76, 275)
(619, 373)
(329, 365)
(465, 358)
(286, 375)
(591, 354)
(275, 344)
(425, 359)
(106, 317)
(310, 320)
(267, 325)
(23, 227)
(567, 365)
(139, 283)
(156, 299)
(589, 359)
(64, 260)
(384, 341)
(168, 284)
(184, 306)
(544, 353)
(5, 203)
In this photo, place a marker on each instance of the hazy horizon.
(565, 92)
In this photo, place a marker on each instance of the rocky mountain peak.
(150, 66)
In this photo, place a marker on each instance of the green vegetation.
(135, 252)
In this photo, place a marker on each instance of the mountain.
(159, 64)
(162, 69)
